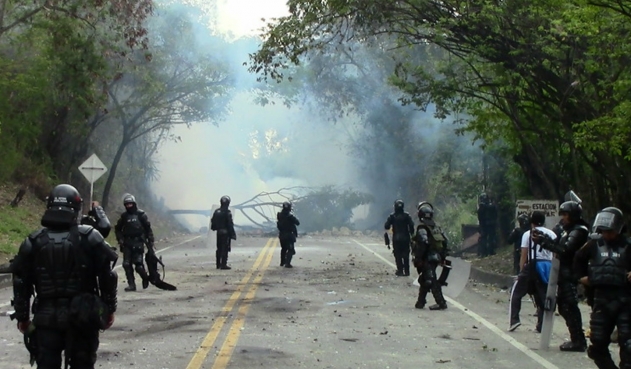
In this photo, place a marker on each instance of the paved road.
(340, 307)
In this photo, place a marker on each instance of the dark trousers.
(401, 251)
(527, 283)
(133, 259)
(567, 303)
(80, 348)
(223, 248)
(287, 251)
(607, 314)
(429, 282)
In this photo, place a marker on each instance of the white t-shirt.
(537, 252)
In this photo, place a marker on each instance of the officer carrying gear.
(575, 235)
(97, 218)
(487, 219)
(133, 232)
(603, 263)
(223, 224)
(69, 269)
(429, 249)
(402, 229)
(286, 223)
(515, 238)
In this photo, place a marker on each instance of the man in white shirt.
(534, 265)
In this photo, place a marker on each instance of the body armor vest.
(133, 226)
(400, 231)
(607, 267)
(60, 265)
(285, 223)
(434, 237)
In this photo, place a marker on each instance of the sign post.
(92, 169)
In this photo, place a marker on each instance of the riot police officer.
(221, 222)
(286, 223)
(97, 219)
(133, 232)
(515, 238)
(487, 219)
(68, 267)
(575, 235)
(402, 229)
(429, 249)
(603, 263)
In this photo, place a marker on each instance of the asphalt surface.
(341, 306)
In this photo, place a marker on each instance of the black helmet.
(609, 218)
(64, 197)
(573, 208)
(398, 206)
(129, 199)
(523, 220)
(287, 206)
(224, 201)
(425, 210)
(483, 198)
(63, 207)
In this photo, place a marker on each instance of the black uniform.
(221, 222)
(515, 238)
(574, 236)
(286, 223)
(133, 232)
(606, 264)
(69, 268)
(402, 229)
(98, 220)
(429, 250)
(487, 219)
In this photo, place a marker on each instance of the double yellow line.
(260, 265)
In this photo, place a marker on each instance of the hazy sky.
(243, 17)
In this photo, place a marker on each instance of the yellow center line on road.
(223, 358)
(203, 350)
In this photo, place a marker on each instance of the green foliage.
(328, 207)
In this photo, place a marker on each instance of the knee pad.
(140, 268)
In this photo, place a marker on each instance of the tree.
(548, 79)
(181, 83)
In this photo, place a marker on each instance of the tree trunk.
(112, 172)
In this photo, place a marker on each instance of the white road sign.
(549, 207)
(93, 168)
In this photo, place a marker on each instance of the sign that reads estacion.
(549, 207)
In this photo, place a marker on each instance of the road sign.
(549, 207)
(92, 169)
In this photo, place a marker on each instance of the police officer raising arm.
(69, 269)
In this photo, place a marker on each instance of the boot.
(573, 346)
(420, 304)
(406, 266)
(283, 253)
(218, 258)
(131, 287)
(442, 306)
(288, 261)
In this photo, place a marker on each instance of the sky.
(243, 17)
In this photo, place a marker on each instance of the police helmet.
(610, 219)
(65, 197)
(573, 208)
(425, 210)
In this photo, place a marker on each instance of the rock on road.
(341, 306)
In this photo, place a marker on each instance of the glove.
(120, 247)
(23, 326)
(110, 321)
